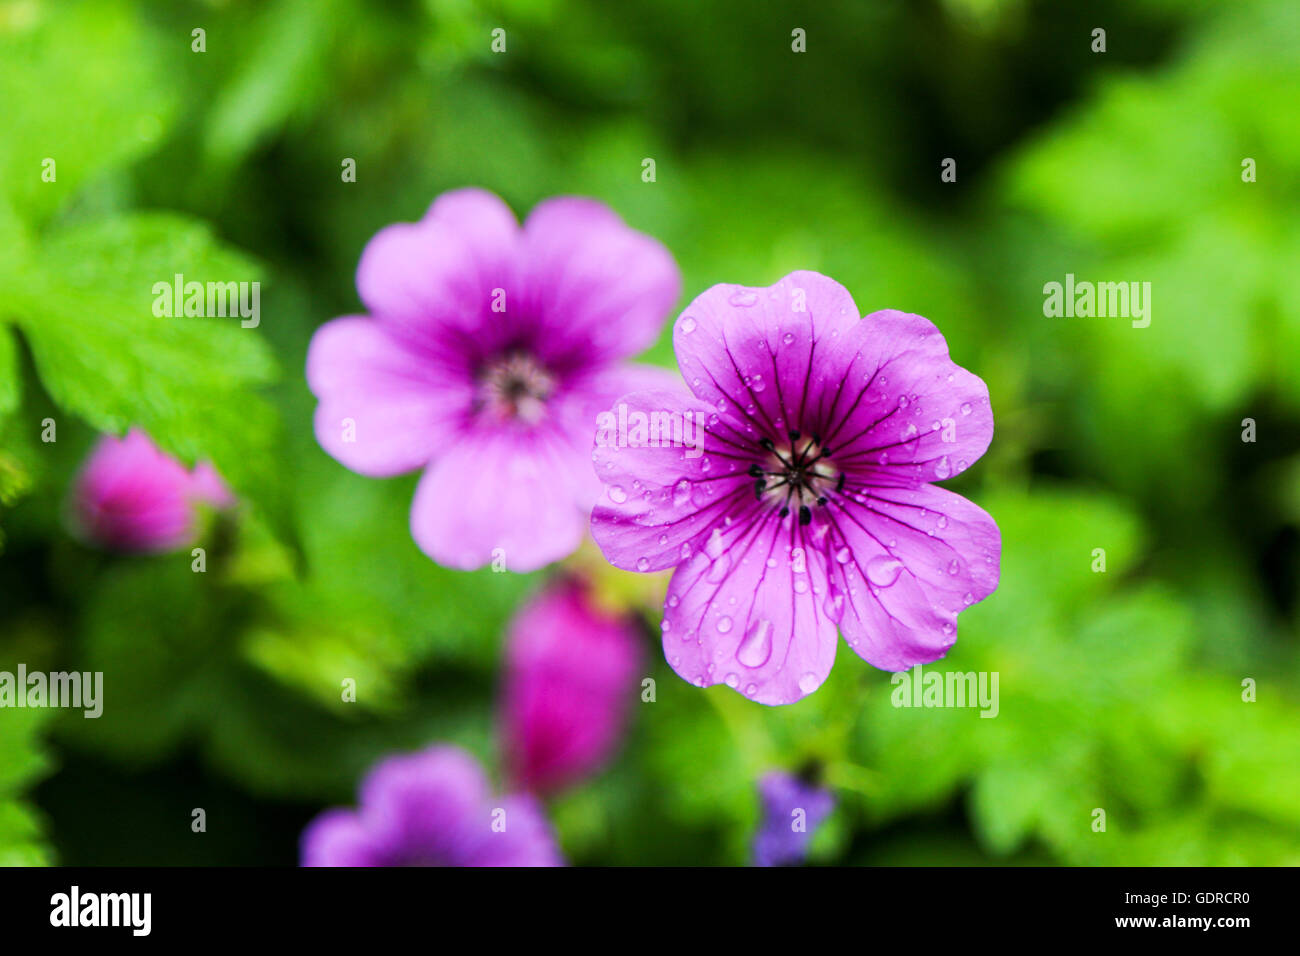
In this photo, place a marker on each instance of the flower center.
(514, 387)
(796, 476)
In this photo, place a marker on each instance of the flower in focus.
(806, 505)
(792, 810)
(570, 673)
(488, 350)
(432, 808)
(131, 496)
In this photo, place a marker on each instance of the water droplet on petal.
(965, 408)
(743, 299)
(788, 338)
(643, 564)
(954, 566)
(731, 680)
(883, 570)
(681, 493)
(942, 469)
(617, 494)
(714, 546)
(834, 605)
(843, 555)
(687, 323)
(809, 683)
(756, 648)
(724, 624)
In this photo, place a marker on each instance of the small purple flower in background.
(791, 811)
(809, 505)
(432, 808)
(570, 677)
(131, 496)
(488, 352)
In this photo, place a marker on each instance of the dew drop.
(965, 408)
(883, 570)
(843, 555)
(834, 605)
(743, 299)
(617, 494)
(688, 323)
(724, 624)
(681, 493)
(809, 683)
(756, 648)
(714, 546)
(942, 469)
(643, 564)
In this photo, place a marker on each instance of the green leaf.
(103, 354)
(81, 86)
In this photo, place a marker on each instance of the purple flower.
(806, 504)
(130, 496)
(432, 808)
(791, 811)
(488, 351)
(570, 676)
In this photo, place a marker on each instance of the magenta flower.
(806, 506)
(570, 677)
(488, 352)
(432, 808)
(131, 496)
(792, 810)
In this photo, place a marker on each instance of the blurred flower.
(487, 355)
(792, 810)
(570, 674)
(432, 808)
(131, 496)
(810, 505)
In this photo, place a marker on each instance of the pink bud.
(570, 679)
(131, 496)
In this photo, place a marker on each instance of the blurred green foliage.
(1119, 690)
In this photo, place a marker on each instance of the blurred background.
(1120, 690)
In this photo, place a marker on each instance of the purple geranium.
(792, 810)
(806, 505)
(488, 350)
(432, 808)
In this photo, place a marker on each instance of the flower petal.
(383, 409)
(509, 490)
(599, 289)
(903, 564)
(445, 279)
(906, 412)
(663, 495)
(746, 611)
(338, 838)
(756, 354)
